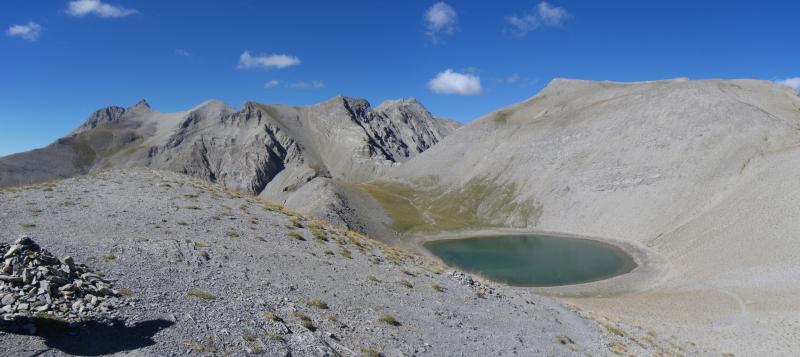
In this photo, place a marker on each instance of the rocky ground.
(207, 271)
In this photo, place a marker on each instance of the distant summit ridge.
(273, 150)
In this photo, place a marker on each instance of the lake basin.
(533, 260)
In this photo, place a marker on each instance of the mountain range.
(701, 175)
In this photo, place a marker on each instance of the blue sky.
(60, 60)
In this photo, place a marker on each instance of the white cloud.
(272, 84)
(551, 15)
(306, 85)
(514, 78)
(517, 80)
(247, 61)
(440, 19)
(183, 53)
(544, 15)
(295, 85)
(449, 82)
(30, 31)
(98, 8)
(793, 83)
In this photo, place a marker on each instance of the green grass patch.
(389, 320)
(424, 206)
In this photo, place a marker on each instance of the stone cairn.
(35, 283)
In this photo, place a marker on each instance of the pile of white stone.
(34, 282)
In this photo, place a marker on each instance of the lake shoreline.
(649, 270)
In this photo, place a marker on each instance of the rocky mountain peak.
(141, 104)
(102, 116)
(213, 107)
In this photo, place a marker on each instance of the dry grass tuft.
(319, 304)
(201, 295)
(389, 320)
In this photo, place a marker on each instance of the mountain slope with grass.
(700, 173)
(207, 270)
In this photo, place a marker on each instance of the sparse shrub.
(109, 257)
(319, 235)
(305, 320)
(189, 196)
(207, 346)
(232, 234)
(564, 340)
(373, 279)
(201, 295)
(296, 235)
(615, 330)
(269, 315)
(332, 318)
(27, 225)
(182, 223)
(346, 253)
(369, 352)
(275, 337)
(437, 287)
(389, 320)
(406, 283)
(295, 221)
(618, 348)
(329, 252)
(200, 245)
(406, 272)
(125, 292)
(317, 303)
(249, 336)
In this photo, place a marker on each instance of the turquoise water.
(532, 260)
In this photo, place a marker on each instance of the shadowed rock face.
(343, 138)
